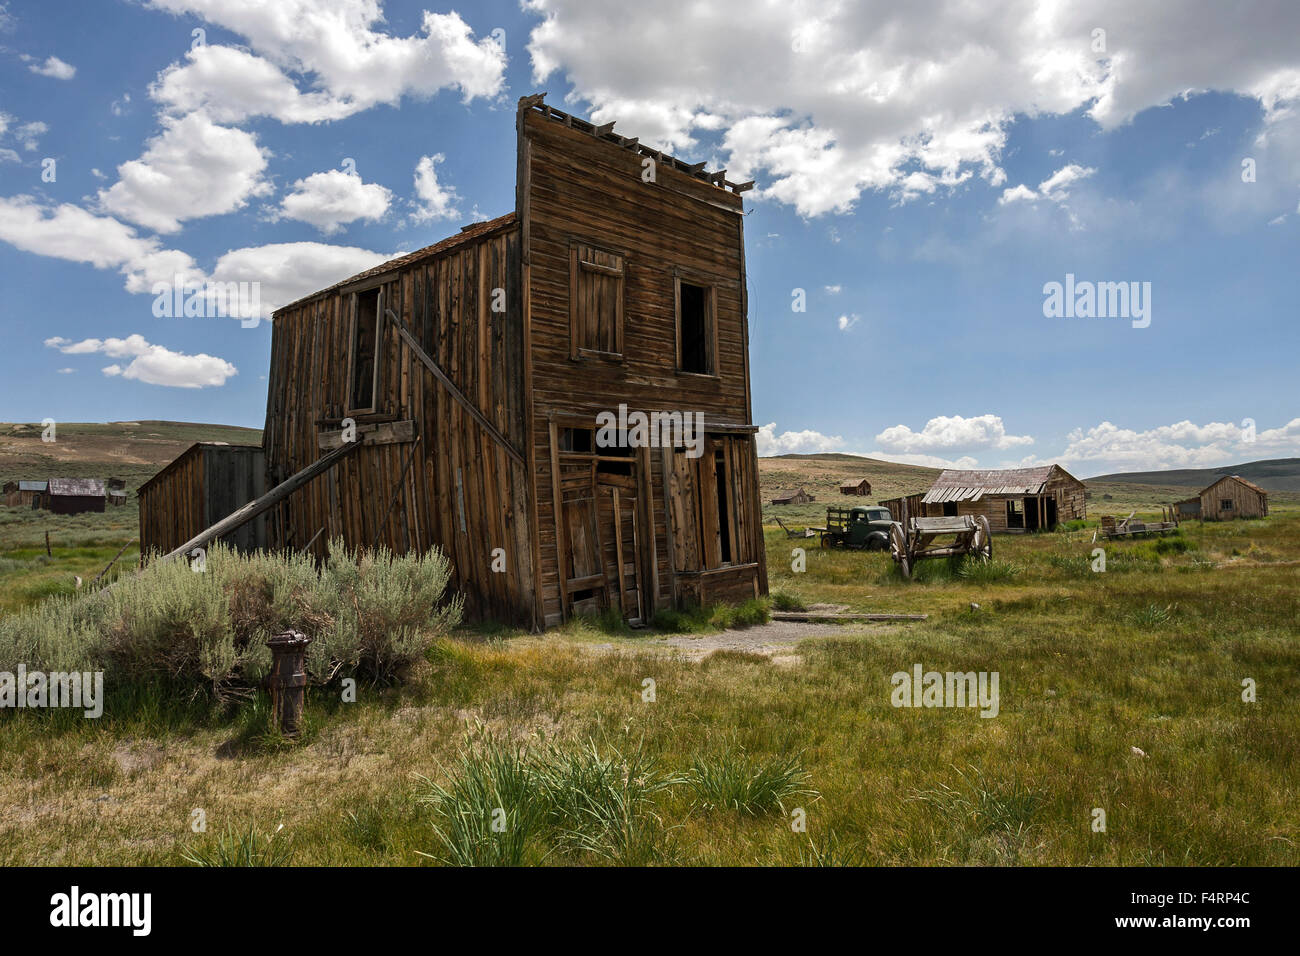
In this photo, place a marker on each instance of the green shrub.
(732, 780)
(244, 848)
(371, 616)
(979, 571)
(785, 601)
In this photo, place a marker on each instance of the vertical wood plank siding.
(457, 472)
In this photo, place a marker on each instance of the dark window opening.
(950, 509)
(1015, 514)
(693, 329)
(724, 505)
(584, 594)
(1225, 504)
(614, 468)
(365, 350)
(576, 439)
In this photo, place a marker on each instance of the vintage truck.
(862, 527)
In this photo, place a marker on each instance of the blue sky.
(922, 175)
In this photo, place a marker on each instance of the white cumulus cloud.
(151, 364)
(951, 432)
(53, 66)
(331, 199)
(791, 443)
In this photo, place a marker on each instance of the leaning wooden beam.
(265, 503)
(451, 388)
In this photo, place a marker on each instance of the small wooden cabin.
(72, 496)
(489, 394)
(1230, 497)
(856, 486)
(1015, 499)
(206, 482)
(797, 497)
(24, 494)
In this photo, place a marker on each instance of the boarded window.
(365, 351)
(695, 338)
(710, 507)
(595, 302)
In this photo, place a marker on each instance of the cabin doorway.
(600, 529)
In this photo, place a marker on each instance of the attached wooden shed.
(856, 486)
(798, 497)
(1015, 499)
(207, 482)
(1230, 497)
(71, 496)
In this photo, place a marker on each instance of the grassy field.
(555, 733)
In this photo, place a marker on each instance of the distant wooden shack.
(856, 486)
(798, 497)
(1230, 497)
(206, 482)
(24, 494)
(71, 496)
(465, 391)
(1015, 499)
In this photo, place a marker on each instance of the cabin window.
(595, 302)
(950, 509)
(576, 440)
(1015, 514)
(696, 341)
(366, 330)
(1225, 504)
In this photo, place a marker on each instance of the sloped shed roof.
(1249, 484)
(958, 485)
(77, 487)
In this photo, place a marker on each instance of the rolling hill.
(1276, 474)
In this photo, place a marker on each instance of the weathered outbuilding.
(558, 398)
(1015, 499)
(206, 482)
(1230, 497)
(796, 497)
(70, 496)
(855, 486)
(24, 494)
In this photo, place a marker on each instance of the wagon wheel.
(982, 541)
(898, 548)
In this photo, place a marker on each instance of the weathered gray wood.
(264, 503)
(451, 388)
(384, 433)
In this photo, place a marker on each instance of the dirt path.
(776, 639)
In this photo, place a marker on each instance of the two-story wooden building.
(558, 398)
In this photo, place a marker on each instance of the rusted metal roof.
(77, 487)
(959, 485)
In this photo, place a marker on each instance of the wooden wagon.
(911, 542)
(1129, 528)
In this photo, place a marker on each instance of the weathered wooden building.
(558, 398)
(855, 486)
(206, 482)
(796, 497)
(1015, 499)
(1230, 497)
(24, 494)
(71, 496)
